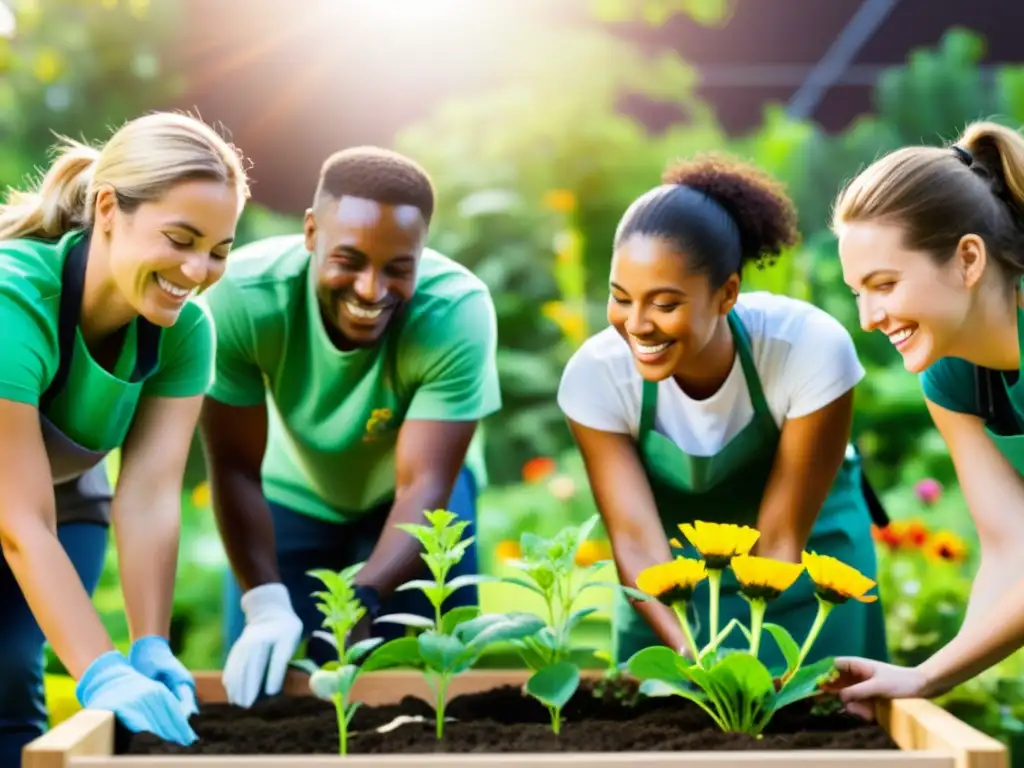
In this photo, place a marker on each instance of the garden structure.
(417, 700)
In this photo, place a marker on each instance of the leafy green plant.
(452, 642)
(549, 568)
(334, 680)
(733, 685)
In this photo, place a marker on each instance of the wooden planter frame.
(928, 736)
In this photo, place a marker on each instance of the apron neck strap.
(70, 312)
(649, 401)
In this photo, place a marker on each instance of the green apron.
(727, 488)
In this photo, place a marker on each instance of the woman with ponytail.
(104, 350)
(932, 244)
(703, 403)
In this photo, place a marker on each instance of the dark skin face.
(365, 255)
(672, 319)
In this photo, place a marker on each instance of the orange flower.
(915, 533)
(508, 550)
(945, 545)
(590, 552)
(538, 469)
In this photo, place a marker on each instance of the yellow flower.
(946, 545)
(560, 201)
(718, 543)
(672, 582)
(508, 550)
(590, 552)
(837, 582)
(201, 495)
(763, 577)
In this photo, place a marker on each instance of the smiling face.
(165, 250)
(366, 255)
(920, 304)
(666, 313)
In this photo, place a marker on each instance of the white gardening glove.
(265, 647)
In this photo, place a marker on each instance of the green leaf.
(346, 677)
(747, 674)
(441, 653)
(804, 683)
(576, 617)
(653, 688)
(657, 663)
(304, 665)
(400, 652)
(421, 584)
(523, 583)
(588, 525)
(468, 580)
(353, 708)
(406, 619)
(324, 684)
(546, 638)
(554, 685)
(356, 651)
(500, 627)
(456, 616)
(790, 650)
(327, 637)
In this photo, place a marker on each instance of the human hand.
(861, 681)
(140, 703)
(265, 647)
(151, 655)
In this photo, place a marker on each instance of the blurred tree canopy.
(533, 176)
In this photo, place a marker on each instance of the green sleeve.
(237, 378)
(949, 382)
(458, 374)
(29, 358)
(186, 357)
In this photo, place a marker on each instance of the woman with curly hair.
(703, 403)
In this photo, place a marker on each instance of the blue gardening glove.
(151, 655)
(140, 704)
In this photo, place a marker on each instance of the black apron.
(81, 488)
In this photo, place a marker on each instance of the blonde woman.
(104, 350)
(932, 245)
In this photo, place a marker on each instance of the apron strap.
(649, 401)
(745, 350)
(147, 353)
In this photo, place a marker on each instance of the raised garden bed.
(492, 724)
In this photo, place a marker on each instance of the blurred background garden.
(540, 122)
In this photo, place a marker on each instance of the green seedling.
(549, 570)
(334, 680)
(452, 642)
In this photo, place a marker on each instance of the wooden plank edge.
(816, 758)
(87, 732)
(922, 724)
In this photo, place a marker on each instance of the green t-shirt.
(333, 416)
(950, 383)
(95, 408)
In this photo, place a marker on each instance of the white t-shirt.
(805, 359)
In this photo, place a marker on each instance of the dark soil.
(504, 720)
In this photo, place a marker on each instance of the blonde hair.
(142, 161)
(938, 195)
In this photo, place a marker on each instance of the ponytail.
(936, 195)
(60, 204)
(998, 152)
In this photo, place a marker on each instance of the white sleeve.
(590, 394)
(822, 366)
